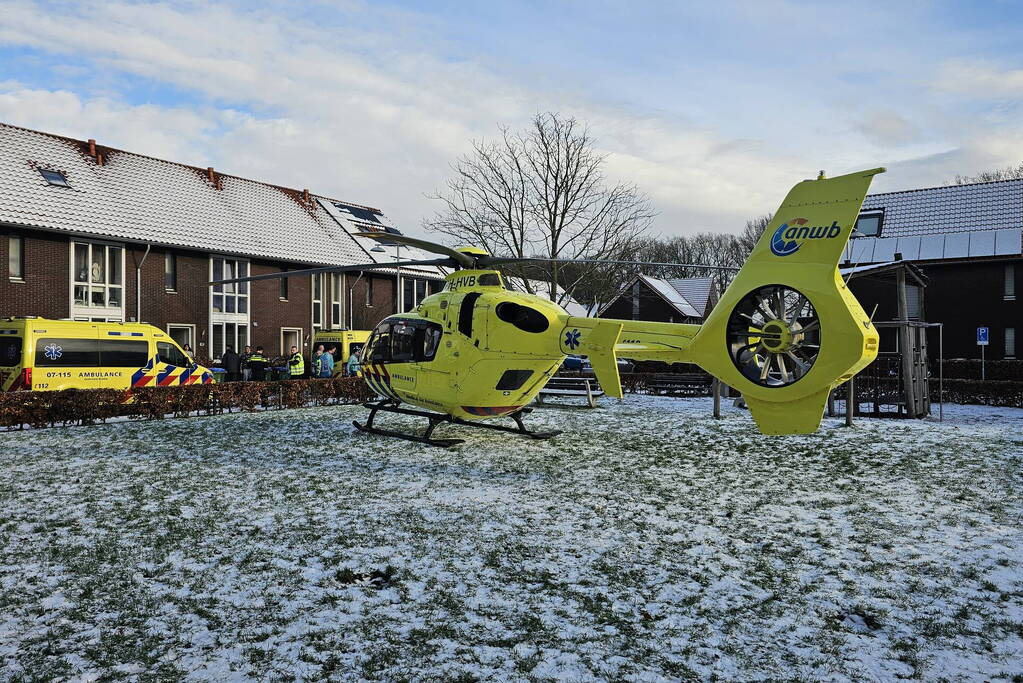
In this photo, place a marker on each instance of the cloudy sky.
(713, 109)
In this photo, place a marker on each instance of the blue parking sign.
(982, 336)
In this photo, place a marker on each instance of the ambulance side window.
(66, 353)
(116, 353)
(171, 355)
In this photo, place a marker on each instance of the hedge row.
(980, 392)
(968, 368)
(87, 406)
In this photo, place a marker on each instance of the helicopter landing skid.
(389, 406)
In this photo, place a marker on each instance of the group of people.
(251, 365)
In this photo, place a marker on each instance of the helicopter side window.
(378, 348)
(431, 340)
(523, 317)
(403, 343)
(490, 280)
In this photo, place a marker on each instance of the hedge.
(87, 406)
(969, 368)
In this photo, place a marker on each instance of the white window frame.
(286, 348)
(191, 332)
(16, 245)
(317, 303)
(173, 257)
(337, 295)
(224, 318)
(88, 310)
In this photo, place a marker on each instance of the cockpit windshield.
(403, 341)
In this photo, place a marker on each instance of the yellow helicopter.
(785, 332)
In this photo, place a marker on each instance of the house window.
(369, 292)
(318, 301)
(413, 293)
(16, 257)
(1010, 282)
(232, 297)
(170, 272)
(283, 293)
(335, 300)
(225, 334)
(1010, 342)
(55, 178)
(98, 277)
(869, 224)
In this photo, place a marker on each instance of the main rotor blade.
(463, 260)
(337, 269)
(487, 261)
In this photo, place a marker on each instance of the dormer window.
(55, 178)
(869, 224)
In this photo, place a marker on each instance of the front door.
(290, 336)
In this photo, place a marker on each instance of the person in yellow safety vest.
(296, 363)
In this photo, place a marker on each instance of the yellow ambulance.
(346, 342)
(46, 355)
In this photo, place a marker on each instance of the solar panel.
(909, 247)
(359, 213)
(1008, 242)
(884, 249)
(932, 247)
(957, 245)
(862, 249)
(982, 243)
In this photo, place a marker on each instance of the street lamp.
(400, 295)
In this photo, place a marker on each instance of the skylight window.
(55, 178)
(869, 224)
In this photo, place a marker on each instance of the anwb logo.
(790, 236)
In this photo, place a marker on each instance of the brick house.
(94, 233)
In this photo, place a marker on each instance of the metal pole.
(941, 372)
(401, 290)
(716, 388)
(138, 286)
(850, 400)
(982, 361)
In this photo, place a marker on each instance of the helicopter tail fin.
(595, 338)
(788, 330)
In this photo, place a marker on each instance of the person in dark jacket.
(257, 364)
(246, 371)
(231, 362)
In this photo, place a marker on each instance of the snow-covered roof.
(137, 198)
(689, 296)
(670, 294)
(890, 267)
(696, 290)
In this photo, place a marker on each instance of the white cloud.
(376, 117)
(978, 78)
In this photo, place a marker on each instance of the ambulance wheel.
(774, 336)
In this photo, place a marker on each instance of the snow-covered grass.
(646, 542)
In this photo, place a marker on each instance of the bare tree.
(1007, 173)
(542, 193)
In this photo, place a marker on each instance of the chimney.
(305, 196)
(94, 153)
(213, 177)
